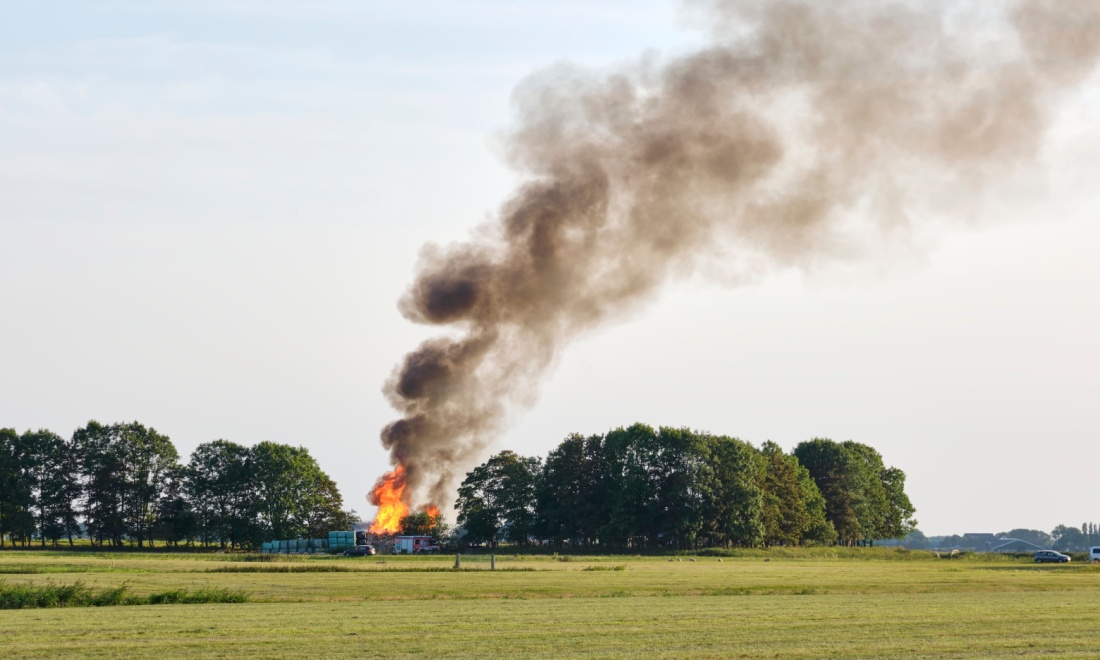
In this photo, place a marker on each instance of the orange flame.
(389, 496)
(433, 511)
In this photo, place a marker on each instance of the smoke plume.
(806, 131)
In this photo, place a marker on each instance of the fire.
(389, 496)
(433, 511)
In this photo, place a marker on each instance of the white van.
(1094, 554)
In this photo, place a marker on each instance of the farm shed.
(1017, 545)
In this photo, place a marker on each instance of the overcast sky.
(208, 211)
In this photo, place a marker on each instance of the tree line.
(123, 484)
(1066, 538)
(674, 488)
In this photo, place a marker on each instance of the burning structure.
(806, 131)
(390, 495)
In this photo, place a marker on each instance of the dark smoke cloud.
(806, 130)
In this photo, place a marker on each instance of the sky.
(209, 210)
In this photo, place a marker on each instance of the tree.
(864, 499)
(558, 497)
(834, 473)
(634, 507)
(124, 469)
(869, 492)
(497, 499)
(328, 512)
(1034, 536)
(734, 500)
(684, 483)
(424, 523)
(150, 459)
(49, 475)
(821, 530)
(176, 519)
(287, 481)
(220, 486)
(102, 467)
(785, 517)
(16, 496)
(1068, 538)
(571, 492)
(898, 521)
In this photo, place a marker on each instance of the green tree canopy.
(497, 499)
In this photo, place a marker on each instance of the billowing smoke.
(807, 131)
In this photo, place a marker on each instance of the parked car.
(1094, 554)
(1044, 556)
(359, 551)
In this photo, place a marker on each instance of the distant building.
(1016, 545)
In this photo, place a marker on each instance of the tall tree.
(220, 485)
(899, 520)
(836, 476)
(287, 480)
(124, 469)
(821, 530)
(570, 492)
(785, 515)
(49, 476)
(864, 499)
(735, 506)
(497, 499)
(632, 490)
(558, 492)
(871, 502)
(150, 460)
(176, 519)
(101, 462)
(684, 482)
(16, 494)
(328, 512)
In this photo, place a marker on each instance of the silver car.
(1045, 556)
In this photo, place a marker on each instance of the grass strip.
(30, 596)
(19, 570)
(376, 567)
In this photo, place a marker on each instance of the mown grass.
(36, 596)
(778, 604)
(897, 625)
(373, 568)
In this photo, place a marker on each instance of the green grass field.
(874, 603)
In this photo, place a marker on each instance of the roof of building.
(1016, 545)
